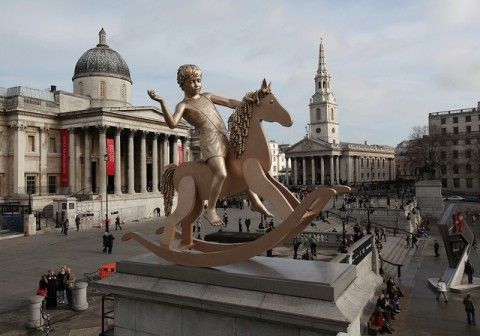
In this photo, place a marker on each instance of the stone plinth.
(35, 318)
(79, 295)
(429, 198)
(262, 296)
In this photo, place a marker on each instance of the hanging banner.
(180, 154)
(64, 157)
(111, 157)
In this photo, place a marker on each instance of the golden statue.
(230, 167)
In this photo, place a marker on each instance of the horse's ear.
(264, 85)
(269, 87)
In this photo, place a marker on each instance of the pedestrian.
(247, 224)
(199, 225)
(313, 246)
(110, 239)
(436, 247)
(240, 229)
(61, 285)
(225, 218)
(296, 244)
(414, 240)
(407, 238)
(77, 222)
(377, 233)
(70, 284)
(469, 271)
(51, 290)
(117, 223)
(442, 289)
(65, 226)
(470, 309)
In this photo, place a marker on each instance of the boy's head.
(187, 71)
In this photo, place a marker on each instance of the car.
(454, 198)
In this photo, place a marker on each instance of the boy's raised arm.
(172, 121)
(232, 103)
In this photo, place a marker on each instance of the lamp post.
(105, 157)
(343, 216)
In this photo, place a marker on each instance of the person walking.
(247, 224)
(442, 289)
(117, 223)
(313, 246)
(199, 225)
(296, 244)
(414, 240)
(105, 241)
(408, 240)
(110, 239)
(65, 225)
(436, 247)
(61, 285)
(240, 228)
(470, 310)
(51, 289)
(77, 222)
(70, 284)
(469, 271)
(225, 218)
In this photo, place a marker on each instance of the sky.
(392, 62)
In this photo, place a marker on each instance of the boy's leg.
(219, 170)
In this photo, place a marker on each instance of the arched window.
(80, 88)
(333, 115)
(319, 85)
(102, 89)
(124, 92)
(318, 114)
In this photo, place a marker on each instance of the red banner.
(111, 157)
(64, 157)
(180, 154)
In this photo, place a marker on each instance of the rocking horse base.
(261, 296)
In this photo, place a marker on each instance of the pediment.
(308, 145)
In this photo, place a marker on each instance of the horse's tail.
(167, 188)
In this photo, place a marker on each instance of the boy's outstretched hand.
(154, 95)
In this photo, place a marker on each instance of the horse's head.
(269, 109)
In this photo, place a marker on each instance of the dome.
(102, 61)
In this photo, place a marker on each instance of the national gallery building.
(85, 144)
(321, 159)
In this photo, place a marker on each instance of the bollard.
(35, 319)
(79, 295)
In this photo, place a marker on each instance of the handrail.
(399, 266)
(339, 216)
(391, 227)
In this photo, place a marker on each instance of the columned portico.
(143, 162)
(322, 171)
(337, 170)
(102, 147)
(131, 167)
(313, 171)
(155, 163)
(304, 171)
(88, 161)
(118, 176)
(71, 161)
(166, 151)
(332, 171)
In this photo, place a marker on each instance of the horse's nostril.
(271, 101)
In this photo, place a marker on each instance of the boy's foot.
(212, 217)
(259, 207)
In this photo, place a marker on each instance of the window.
(444, 130)
(31, 184)
(318, 115)
(318, 130)
(444, 183)
(468, 153)
(31, 143)
(124, 92)
(468, 168)
(455, 169)
(455, 154)
(468, 129)
(102, 89)
(52, 184)
(52, 145)
(443, 121)
(333, 115)
(456, 183)
(319, 85)
(368, 162)
(333, 130)
(468, 118)
(455, 120)
(455, 130)
(469, 183)
(361, 163)
(362, 176)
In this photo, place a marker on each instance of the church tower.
(323, 107)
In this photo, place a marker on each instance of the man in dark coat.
(110, 239)
(436, 247)
(470, 309)
(247, 224)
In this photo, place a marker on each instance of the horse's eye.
(271, 101)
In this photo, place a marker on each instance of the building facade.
(459, 154)
(277, 169)
(320, 158)
(77, 143)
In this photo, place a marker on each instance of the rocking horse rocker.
(248, 162)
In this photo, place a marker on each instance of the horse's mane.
(241, 121)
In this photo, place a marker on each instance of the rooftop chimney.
(53, 88)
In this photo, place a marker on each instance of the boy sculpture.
(198, 109)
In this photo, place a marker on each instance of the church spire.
(102, 38)
(321, 59)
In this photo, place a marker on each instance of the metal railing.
(107, 314)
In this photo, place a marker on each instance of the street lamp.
(105, 157)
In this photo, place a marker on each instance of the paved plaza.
(24, 259)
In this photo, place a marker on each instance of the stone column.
(143, 162)
(102, 150)
(348, 169)
(44, 141)
(166, 151)
(304, 171)
(175, 149)
(295, 171)
(313, 171)
(71, 161)
(322, 171)
(79, 296)
(88, 162)
(357, 169)
(78, 160)
(332, 172)
(19, 147)
(287, 175)
(131, 169)
(35, 319)
(155, 163)
(118, 172)
(337, 169)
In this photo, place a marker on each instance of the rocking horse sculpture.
(247, 163)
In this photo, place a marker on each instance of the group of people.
(388, 305)
(57, 287)
(247, 224)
